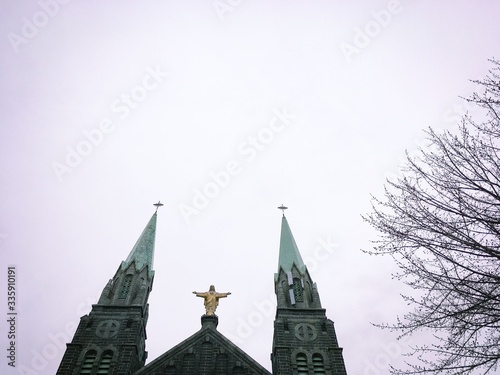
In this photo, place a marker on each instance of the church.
(111, 338)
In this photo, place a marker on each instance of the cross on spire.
(283, 208)
(158, 205)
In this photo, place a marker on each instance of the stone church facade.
(111, 338)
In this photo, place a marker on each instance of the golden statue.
(211, 299)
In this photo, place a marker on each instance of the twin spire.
(289, 252)
(143, 251)
(294, 287)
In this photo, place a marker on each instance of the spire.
(289, 252)
(304, 338)
(143, 251)
(117, 323)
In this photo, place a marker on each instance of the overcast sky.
(223, 110)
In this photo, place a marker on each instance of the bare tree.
(440, 221)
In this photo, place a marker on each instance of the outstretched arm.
(203, 294)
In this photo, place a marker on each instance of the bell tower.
(304, 339)
(111, 338)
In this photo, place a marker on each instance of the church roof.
(208, 351)
(289, 252)
(143, 250)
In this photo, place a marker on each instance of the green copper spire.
(142, 252)
(289, 252)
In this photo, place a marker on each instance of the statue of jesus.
(211, 299)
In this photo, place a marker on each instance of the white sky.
(228, 73)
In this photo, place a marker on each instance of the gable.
(205, 352)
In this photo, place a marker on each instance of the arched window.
(302, 364)
(105, 363)
(297, 290)
(318, 365)
(88, 362)
(125, 286)
(309, 291)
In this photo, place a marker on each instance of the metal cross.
(158, 205)
(283, 208)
